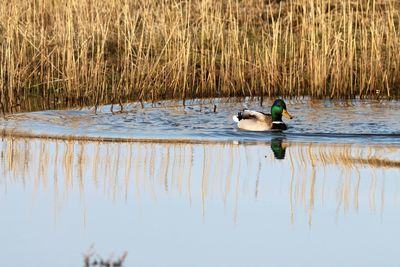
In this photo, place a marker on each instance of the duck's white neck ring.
(277, 122)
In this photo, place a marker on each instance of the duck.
(251, 120)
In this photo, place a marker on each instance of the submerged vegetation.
(92, 259)
(82, 52)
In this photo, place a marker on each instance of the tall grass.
(86, 52)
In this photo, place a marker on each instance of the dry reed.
(82, 52)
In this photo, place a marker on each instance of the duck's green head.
(279, 108)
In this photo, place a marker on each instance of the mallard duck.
(258, 121)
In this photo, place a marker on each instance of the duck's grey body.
(253, 120)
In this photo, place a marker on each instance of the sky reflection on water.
(276, 203)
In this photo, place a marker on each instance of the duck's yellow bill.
(287, 115)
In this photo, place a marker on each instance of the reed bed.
(57, 53)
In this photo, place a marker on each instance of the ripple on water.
(356, 121)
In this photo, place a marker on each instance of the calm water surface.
(357, 121)
(326, 193)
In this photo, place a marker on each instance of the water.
(315, 121)
(200, 192)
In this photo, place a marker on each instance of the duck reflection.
(277, 148)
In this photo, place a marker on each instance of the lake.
(181, 186)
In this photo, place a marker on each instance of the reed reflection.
(346, 177)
